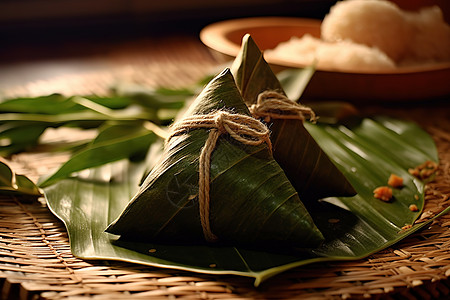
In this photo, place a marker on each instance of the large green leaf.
(23, 120)
(114, 142)
(353, 227)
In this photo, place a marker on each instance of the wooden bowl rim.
(215, 36)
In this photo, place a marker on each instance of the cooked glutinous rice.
(369, 35)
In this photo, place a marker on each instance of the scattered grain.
(383, 193)
(406, 227)
(413, 207)
(424, 171)
(395, 181)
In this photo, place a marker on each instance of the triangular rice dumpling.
(309, 169)
(251, 199)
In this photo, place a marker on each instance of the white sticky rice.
(431, 38)
(343, 55)
(373, 23)
(365, 35)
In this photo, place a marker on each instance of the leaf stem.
(156, 129)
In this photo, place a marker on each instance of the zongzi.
(217, 181)
(307, 166)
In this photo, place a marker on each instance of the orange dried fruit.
(383, 193)
(395, 181)
(413, 207)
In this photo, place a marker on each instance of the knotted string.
(275, 105)
(242, 128)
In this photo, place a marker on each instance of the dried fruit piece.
(395, 181)
(413, 207)
(383, 193)
(406, 227)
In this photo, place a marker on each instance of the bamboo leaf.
(50, 105)
(294, 81)
(351, 145)
(55, 104)
(361, 225)
(12, 183)
(410, 133)
(113, 143)
(304, 162)
(19, 136)
(159, 98)
(23, 120)
(112, 102)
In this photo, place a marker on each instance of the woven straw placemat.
(36, 261)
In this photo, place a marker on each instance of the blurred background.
(45, 22)
(36, 31)
(41, 39)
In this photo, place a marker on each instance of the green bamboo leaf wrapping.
(304, 162)
(252, 202)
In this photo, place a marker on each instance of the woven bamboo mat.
(35, 257)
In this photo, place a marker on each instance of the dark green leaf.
(294, 81)
(19, 136)
(56, 104)
(113, 143)
(23, 120)
(53, 104)
(12, 183)
(410, 133)
(352, 148)
(154, 98)
(113, 102)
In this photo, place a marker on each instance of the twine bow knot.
(275, 105)
(242, 128)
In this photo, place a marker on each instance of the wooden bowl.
(423, 82)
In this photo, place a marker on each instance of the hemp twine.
(243, 128)
(275, 105)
